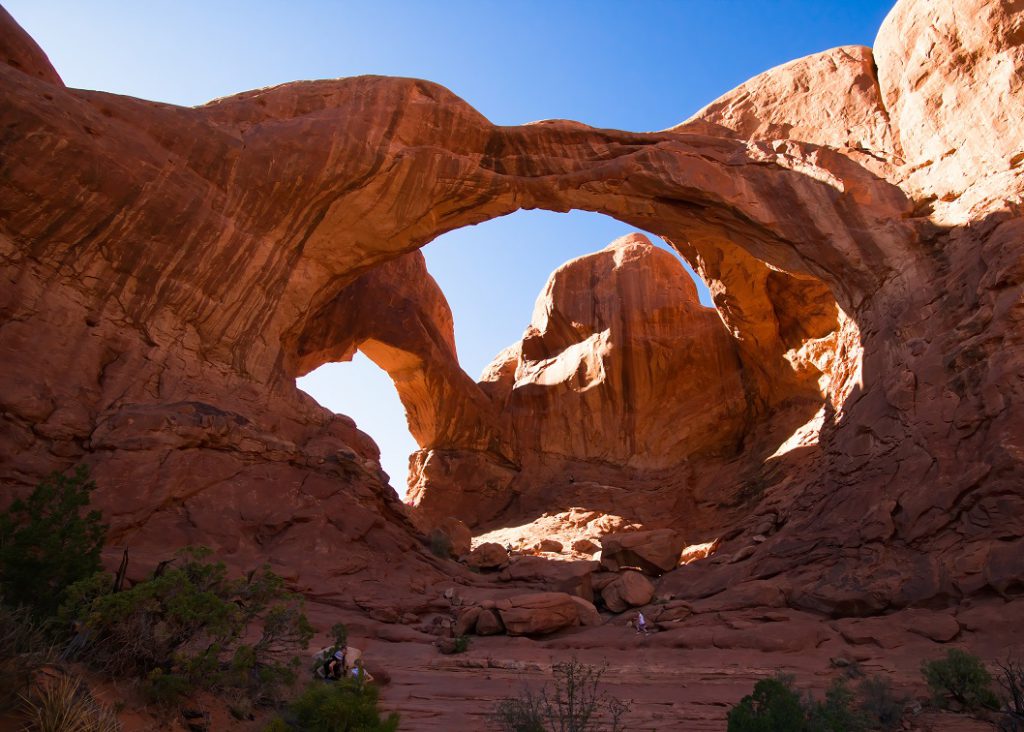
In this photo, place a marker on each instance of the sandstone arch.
(176, 257)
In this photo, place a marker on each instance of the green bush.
(838, 712)
(341, 706)
(881, 705)
(774, 706)
(461, 644)
(339, 632)
(182, 630)
(47, 544)
(961, 678)
(573, 703)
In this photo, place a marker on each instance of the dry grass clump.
(64, 704)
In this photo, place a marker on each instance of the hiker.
(334, 666)
(641, 623)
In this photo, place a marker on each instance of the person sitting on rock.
(334, 666)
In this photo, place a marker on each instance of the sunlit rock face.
(166, 270)
(622, 364)
(621, 372)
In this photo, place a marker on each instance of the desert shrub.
(961, 678)
(23, 648)
(65, 705)
(341, 706)
(461, 644)
(573, 703)
(838, 712)
(440, 544)
(524, 713)
(1011, 678)
(884, 709)
(339, 632)
(183, 629)
(47, 544)
(241, 708)
(774, 706)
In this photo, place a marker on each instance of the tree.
(774, 706)
(47, 544)
(962, 678)
(187, 628)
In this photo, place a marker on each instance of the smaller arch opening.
(365, 392)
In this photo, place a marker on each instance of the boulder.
(467, 619)
(669, 613)
(548, 545)
(489, 623)
(600, 580)
(487, 556)
(652, 552)
(585, 546)
(538, 613)
(630, 589)
(588, 613)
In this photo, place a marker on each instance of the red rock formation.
(168, 273)
(613, 333)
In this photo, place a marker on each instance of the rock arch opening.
(622, 382)
(490, 275)
(363, 391)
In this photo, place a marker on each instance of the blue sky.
(627, 65)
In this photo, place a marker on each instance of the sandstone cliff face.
(622, 364)
(169, 272)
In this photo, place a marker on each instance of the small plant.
(837, 713)
(1011, 678)
(182, 631)
(461, 644)
(23, 649)
(440, 544)
(524, 713)
(572, 704)
(339, 632)
(961, 678)
(65, 705)
(342, 706)
(879, 702)
(47, 544)
(774, 706)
